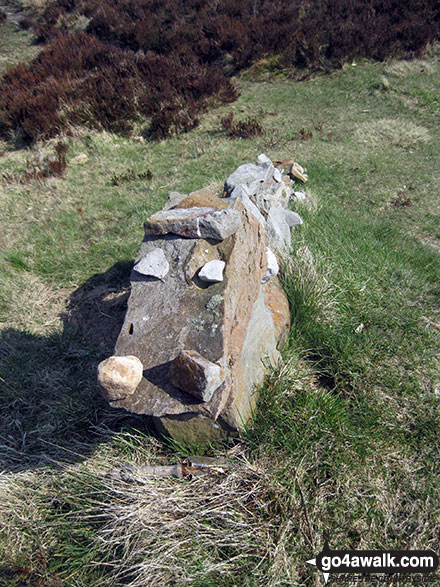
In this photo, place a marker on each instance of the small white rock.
(154, 264)
(212, 272)
(272, 266)
(277, 175)
(263, 159)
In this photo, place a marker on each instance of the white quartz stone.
(212, 272)
(154, 264)
(272, 266)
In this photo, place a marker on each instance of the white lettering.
(426, 561)
(346, 560)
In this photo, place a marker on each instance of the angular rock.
(250, 175)
(264, 160)
(212, 272)
(277, 229)
(205, 222)
(239, 191)
(202, 253)
(154, 264)
(292, 218)
(275, 195)
(253, 209)
(298, 172)
(272, 266)
(191, 372)
(119, 377)
(277, 175)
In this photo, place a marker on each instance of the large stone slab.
(197, 222)
(258, 351)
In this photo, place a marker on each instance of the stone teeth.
(233, 330)
(212, 272)
(272, 266)
(154, 264)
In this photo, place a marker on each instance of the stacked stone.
(206, 315)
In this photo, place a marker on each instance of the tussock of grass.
(395, 132)
(157, 532)
(40, 304)
(404, 67)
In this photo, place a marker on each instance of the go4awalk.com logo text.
(364, 562)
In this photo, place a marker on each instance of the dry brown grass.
(41, 304)
(392, 131)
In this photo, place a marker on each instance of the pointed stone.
(277, 229)
(154, 264)
(277, 176)
(253, 176)
(194, 374)
(264, 160)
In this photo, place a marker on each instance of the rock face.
(205, 344)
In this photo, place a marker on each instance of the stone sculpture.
(207, 315)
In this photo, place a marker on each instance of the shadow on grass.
(51, 409)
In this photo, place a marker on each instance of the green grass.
(345, 439)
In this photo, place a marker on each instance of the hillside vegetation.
(345, 440)
(106, 64)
